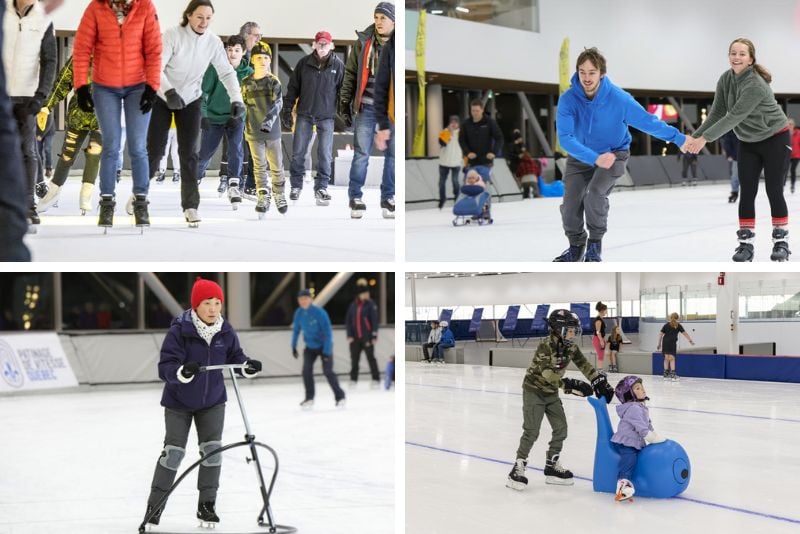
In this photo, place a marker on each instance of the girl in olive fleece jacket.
(745, 103)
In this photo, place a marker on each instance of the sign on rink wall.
(33, 361)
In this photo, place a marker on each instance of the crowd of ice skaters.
(167, 89)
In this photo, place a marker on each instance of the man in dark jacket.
(314, 85)
(480, 137)
(29, 55)
(362, 333)
(357, 99)
(384, 97)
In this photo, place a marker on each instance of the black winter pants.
(772, 156)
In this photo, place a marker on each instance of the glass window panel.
(26, 301)
(517, 14)
(99, 301)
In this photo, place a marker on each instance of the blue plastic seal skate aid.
(663, 469)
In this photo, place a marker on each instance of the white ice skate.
(322, 197)
(308, 177)
(262, 203)
(87, 189)
(280, 203)
(50, 199)
(192, 218)
(625, 490)
(388, 208)
(234, 195)
(129, 204)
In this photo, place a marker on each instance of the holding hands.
(605, 161)
(694, 145)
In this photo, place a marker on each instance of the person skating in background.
(189, 49)
(599, 334)
(362, 332)
(669, 335)
(730, 145)
(744, 102)
(29, 58)
(315, 324)
(528, 171)
(170, 151)
(263, 98)
(198, 337)
(593, 120)
(314, 86)
(543, 379)
(44, 150)
(634, 432)
(356, 100)
(81, 125)
(480, 138)
(614, 346)
(688, 162)
(125, 75)
(450, 159)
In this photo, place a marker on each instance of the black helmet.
(562, 320)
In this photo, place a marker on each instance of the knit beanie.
(205, 289)
(261, 48)
(386, 8)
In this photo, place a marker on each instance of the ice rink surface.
(665, 224)
(307, 232)
(82, 461)
(463, 425)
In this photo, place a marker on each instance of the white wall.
(659, 280)
(783, 333)
(679, 45)
(277, 18)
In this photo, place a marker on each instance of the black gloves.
(345, 115)
(148, 97)
(237, 110)
(34, 105)
(190, 369)
(287, 121)
(205, 124)
(85, 101)
(232, 123)
(253, 367)
(294, 353)
(577, 387)
(174, 100)
(602, 388)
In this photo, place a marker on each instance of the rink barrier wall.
(115, 358)
(733, 366)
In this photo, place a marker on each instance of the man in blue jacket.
(448, 340)
(592, 121)
(318, 337)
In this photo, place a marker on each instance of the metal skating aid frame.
(249, 441)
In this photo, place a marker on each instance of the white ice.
(307, 232)
(81, 462)
(463, 424)
(664, 224)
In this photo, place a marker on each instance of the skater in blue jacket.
(198, 337)
(318, 336)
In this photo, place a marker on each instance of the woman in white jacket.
(433, 339)
(188, 50)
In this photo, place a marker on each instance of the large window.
(517, 14)
(769, 299)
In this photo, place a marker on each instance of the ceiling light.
(436, 11)
(462, 9)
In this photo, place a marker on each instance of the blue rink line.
(706, 412)
(688, 499)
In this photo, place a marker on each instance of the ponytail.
(763, 72)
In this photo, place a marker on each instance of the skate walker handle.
(222, 367)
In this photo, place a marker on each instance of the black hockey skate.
(106, 216)
(780, 247)
(555, 473)
(322, 197)
(161, 177)
(573, 253)
(516, 478)
(223, 185)
(387, 206)
(156, 517)
(140, 215)
(41, 189)
(207, 515)
(593, 251)
(734, 197)
(294, 194)
(744, 252)
(357, 208)
(262, 203)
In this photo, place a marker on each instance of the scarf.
(206, 331)
(121, 9)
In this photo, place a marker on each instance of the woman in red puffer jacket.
(122, 41)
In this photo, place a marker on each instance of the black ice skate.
(780, 245)
(207, 515)
(161, 177)
(294, 194)
(357, 208)
(156, 517)
(387, 206)
(594, 250)
(192, 218)
(340, 403)
(734, 197)
(262, 203)
(280, 202)
(223, 185)
(250, 193)
(106, 217)
(516, 478)
(744, 252)
(555, 473)
(41, 189)
(674, 377)
(234, 195)
(176, 177)
(322, 197)
(140, 215)
(573, 253)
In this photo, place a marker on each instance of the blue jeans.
(109, 102)
(734, 177)
(209, 143)
(303, 137)
(628, 456)
(438, 350)
(364, 136)
(443, 172)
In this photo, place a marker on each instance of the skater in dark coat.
(362, 332)
(198, 337)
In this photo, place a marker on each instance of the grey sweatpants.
(586, 189)
(272, 152)
(209, 423)
(534, 407)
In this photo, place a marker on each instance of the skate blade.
(208, 525)
(517, 486)
(388, 214)
(356, 214)
(323, 202)
(559, 481)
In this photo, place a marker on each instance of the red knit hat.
(205, 289)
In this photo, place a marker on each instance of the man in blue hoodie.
(318, 337)
(592, 121)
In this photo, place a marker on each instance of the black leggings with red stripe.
(772, 155)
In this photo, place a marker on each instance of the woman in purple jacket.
(198, 337)
(634, 431)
